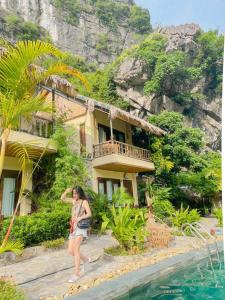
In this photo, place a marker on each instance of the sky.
(209, 14)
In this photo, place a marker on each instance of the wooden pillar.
(111, 127)
(53, 110)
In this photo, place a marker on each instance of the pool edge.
(121, 285)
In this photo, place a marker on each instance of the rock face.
(131, 76)
(82, 38)
(180, 37)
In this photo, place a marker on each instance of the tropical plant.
(122, 198)
(218, 214)
(18, 82)
(99, 205)
(12, 246)
(127, 225)
(184, 216)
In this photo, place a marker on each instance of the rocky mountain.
(133, 73)
(97, 30)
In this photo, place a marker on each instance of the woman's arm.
(67, 199)
(87, 211)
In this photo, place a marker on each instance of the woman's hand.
(79, 219)
(68, 190)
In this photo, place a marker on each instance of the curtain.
(8, 196)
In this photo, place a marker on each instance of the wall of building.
(13, 163)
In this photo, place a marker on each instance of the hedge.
(38, 227)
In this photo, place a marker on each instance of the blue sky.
(209, 14)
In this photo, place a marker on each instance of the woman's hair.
(79, 191)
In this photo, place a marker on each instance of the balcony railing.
(115, 147)
(37, 126)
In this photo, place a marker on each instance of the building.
(104, 138)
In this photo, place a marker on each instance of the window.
(108, 186)
(104, 134)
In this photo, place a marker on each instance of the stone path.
(46, 276)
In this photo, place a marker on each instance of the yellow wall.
(12, 163)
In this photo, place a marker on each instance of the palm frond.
(13, 246)
(14, 65)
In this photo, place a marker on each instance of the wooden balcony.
(118, 156)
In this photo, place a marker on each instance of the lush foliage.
(139, 20)
(9, 291)
(181, 165)
(24, 30)
(70, 8)
(111, 13)
(70, 168)
(54, 243)
(50, 224)
(183, 216)
(99, 205)
(127, 223)
(219, 215)
(67, 168)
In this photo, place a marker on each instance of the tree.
(18, 82)
(180, 162)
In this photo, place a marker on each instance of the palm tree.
(19, 78)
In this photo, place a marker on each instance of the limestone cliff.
(133, 73)
(83, 29)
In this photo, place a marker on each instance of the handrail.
(116, 147)
(196, 232)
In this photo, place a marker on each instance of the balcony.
(117, 156)
(34, 133)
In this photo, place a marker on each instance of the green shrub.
(219, 215)
(102, 44)
(140, 20)
(54, 243)
(163, 209)
(111, 12)
(8, 291)
(183, 216)
(24, 30)
(38, 227)
(70, 8)
(99, 205)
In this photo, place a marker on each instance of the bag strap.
(80, 208)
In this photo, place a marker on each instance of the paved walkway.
(46, 276)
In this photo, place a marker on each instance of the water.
(196, 282)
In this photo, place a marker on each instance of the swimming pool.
(199, 281)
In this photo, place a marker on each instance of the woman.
(80, 210)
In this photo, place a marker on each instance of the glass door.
(8, 195)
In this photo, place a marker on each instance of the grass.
(8, 291)
(53, 244)
(120, 251)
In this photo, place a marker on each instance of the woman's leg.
(77, 256)
(71, 245)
